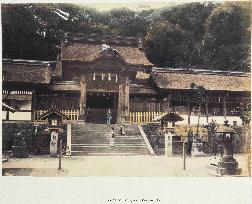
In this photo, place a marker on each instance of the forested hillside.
(193, 35)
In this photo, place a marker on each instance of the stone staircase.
(94, 139)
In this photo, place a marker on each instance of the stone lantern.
(55, 121)
(225, 136)
(168, 120)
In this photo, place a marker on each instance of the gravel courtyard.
(149, 166)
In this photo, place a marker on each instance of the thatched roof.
(27, 71)
(222, 128)
(169, 117)
(182, 130)
(53, 110)
(87, 47)
(142, 89)
(6, 107)
(211, 80)
(89, 52)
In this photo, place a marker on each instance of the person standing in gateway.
(112, 137)
(109, 117)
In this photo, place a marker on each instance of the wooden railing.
(73, 115)
(143, 117)
(17, 92)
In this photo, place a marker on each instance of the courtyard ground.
(149, 166)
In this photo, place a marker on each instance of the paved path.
(154, 166)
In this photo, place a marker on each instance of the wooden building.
(95, 73)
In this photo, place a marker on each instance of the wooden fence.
(135, 117)
(143, 117)
(73, 115)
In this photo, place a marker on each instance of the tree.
(227, 37)
(33, 31)
(190, 17)
(244, 112)
(198, 96)
(194, 35)
(126, 22)
(168, 45)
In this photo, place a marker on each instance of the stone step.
(94, 139)
(105, 154)
(97, 133)
(85, 140)
(91, 131)
(108, 145)
(129, 149)
(132, 137)
(109, 150)
(82, 141)
(91, 136)
(91, 128)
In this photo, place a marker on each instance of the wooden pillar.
(7, 115)
(207, 109)
(189, 111)
(225, 105)
(33, 105)
(169, 101)
(120, 103)
(7, 111)
(82, 98)
(126, 99)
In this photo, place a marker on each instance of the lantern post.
(225, 136)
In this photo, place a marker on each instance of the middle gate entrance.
(98, 104)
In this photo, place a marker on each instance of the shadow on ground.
(16, 172)
(31, 172)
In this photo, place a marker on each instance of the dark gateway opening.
(98, 104)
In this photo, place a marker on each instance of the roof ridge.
(102, 38)
(199, 71)
(28, 62)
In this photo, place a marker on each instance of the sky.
(105, 5)
(133, 6)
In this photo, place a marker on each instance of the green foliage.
(33, 31)
(198, 94)
(10, 131)
(193, 35)
(227, 25)
(227, 37)
(190, 17)
(244, 112)
(168, 45)
(126, 22)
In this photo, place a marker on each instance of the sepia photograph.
(159, 89)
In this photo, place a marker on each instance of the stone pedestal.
(168, 144)
(227, 165)
(197, 149)
(53, 143)
(69, 140)
(169, 132)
